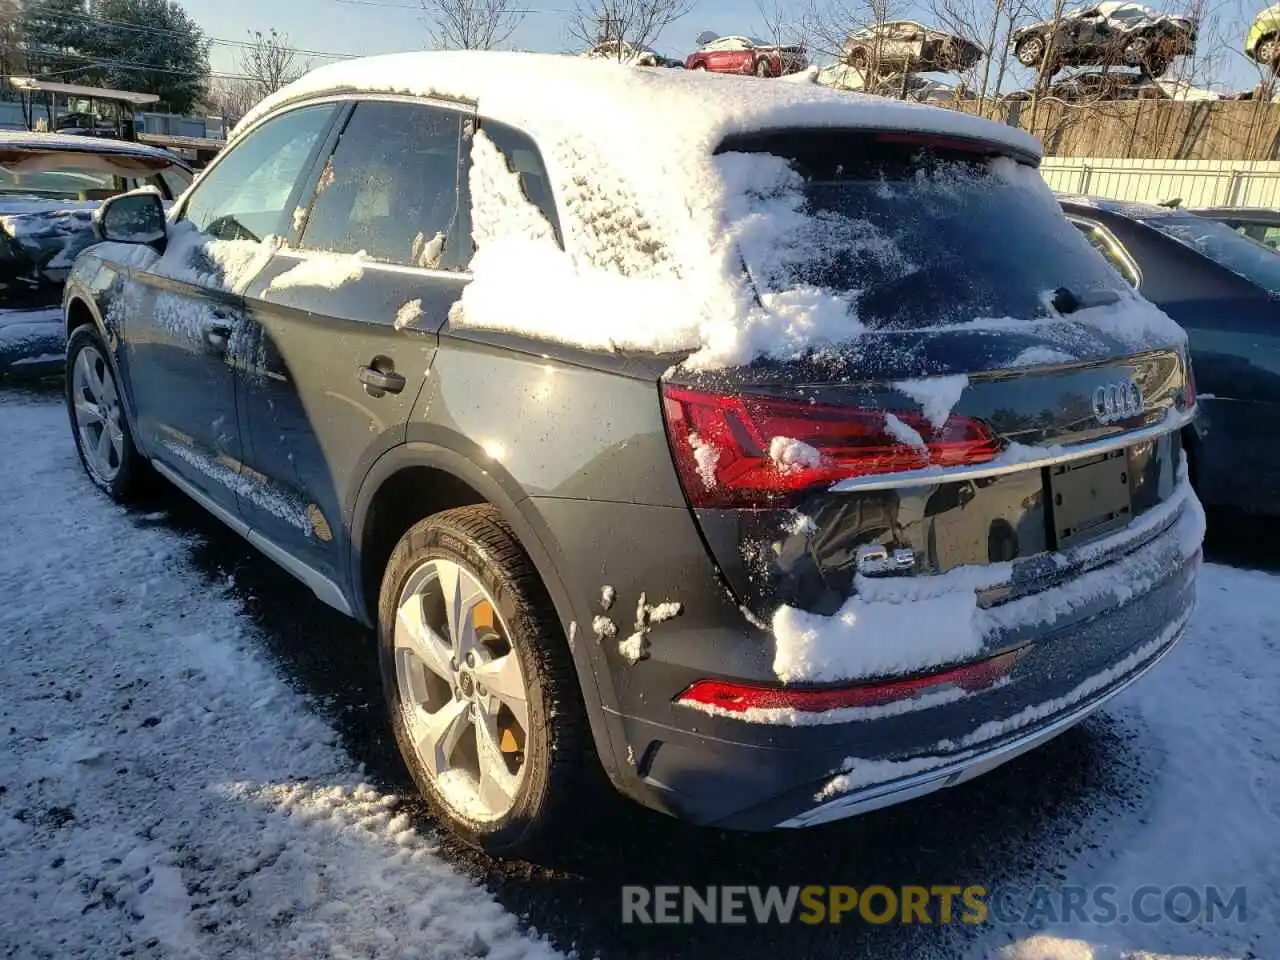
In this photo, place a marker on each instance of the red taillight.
(723, 444)
(740, 697)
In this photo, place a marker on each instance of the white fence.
(1198, 183)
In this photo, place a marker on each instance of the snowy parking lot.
(195, 765)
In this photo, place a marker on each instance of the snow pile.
(324, 271)
(936, 395)
(165, 792)
(896, 625)
(408, 314)
(791, 454)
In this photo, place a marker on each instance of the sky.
(364, 27)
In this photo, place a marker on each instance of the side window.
(1108, 247)
(175, 181)
(390, 189)
(524, 160)
(244, 195)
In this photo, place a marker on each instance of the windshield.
(917, 237)
(1253, 261)
(65, 183)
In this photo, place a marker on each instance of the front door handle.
(378, 381)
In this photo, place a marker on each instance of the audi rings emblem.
(1113, 402)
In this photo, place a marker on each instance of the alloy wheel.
(462, 690)
(99, 417)
(1030, 52)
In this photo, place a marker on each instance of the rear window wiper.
(1066, 301)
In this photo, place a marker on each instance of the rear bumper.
(1097, 633)
(955, 770)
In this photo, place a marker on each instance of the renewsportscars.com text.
(936, 904)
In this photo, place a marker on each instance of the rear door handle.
(377, 382)
(217, 333)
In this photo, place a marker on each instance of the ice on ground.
(324, 271)
(166, 792)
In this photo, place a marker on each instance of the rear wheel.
(1267, 52)
(98, 423)
(762, 68)
(699, 66)
(481, 689)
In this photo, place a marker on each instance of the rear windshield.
(1256, 262)
(917, 236)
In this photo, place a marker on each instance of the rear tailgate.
(1003, 403)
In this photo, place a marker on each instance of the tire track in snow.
(163, 792)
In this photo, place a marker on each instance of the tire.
(1267, 52)
(699, 66)
(1030, 50)
(763, 69)
(119, 471)
(557, 765)
(858, 59)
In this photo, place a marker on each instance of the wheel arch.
(80, 308)
(395, 494)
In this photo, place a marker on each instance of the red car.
(746, 55)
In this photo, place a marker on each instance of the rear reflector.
(741, 697)
(746, 450)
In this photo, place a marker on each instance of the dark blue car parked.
(1224, 289)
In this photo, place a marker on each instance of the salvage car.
(899, 86)
(738, 54)
(1262, 43)
(1107, 34)
(906, 46)
(49, 187)
(648, 418)
(1106, 85)
(1224, 290)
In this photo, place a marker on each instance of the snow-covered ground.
(164, 792)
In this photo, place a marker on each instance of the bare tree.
(473, 24)
(780, 25)
(624, 25)
(989, 24)
(269, 63)
(231, 98)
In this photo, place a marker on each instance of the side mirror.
(134, 217)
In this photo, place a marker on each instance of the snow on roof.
(549, 94)
(650, 217)
(35, 140)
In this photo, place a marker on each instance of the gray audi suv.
(771, 453)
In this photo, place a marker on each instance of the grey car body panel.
(571, 446)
